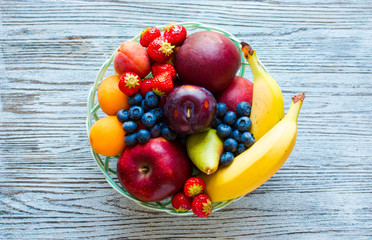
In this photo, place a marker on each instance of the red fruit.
(146, 86)
(148, 35)
(181, 203)
(175, 34)
(159, 68)
(160, 50)
(132, 57)
(162, 84)
(129, 83)
(202, 205)
(194, 186)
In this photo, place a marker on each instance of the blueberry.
(168, 134)
(151, 99)
(247, 139)
(226, 158)
(143, 136)
(223, 130)
(155, 131)
(122, 115)
(159, 113)
(129, 126)
(144, 106)
(229, 118)
(237, 135)
(135, 113)
(241, 148)
(148, 119)
(244, 109)
(131, 139)
(216, 122)
(135, 100)
(244, 124)
(221, 109)
(162, 125)
(230, 145)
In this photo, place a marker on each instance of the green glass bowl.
(104, 162)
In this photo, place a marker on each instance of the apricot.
(132, 57)
(107, 136)
(110, 98)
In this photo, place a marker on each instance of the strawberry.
(162, 84)
(146, 86)
(159, 68)
(181, 203)
(202, 205)
(194, 186)
(160, 50)
(148, 35)
(129, 83)
(175, 34)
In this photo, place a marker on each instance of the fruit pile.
(184, 125)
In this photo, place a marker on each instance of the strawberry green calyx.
(207, 207)
(195, 189)
(158, 92)
(144, 31)
(169, 26)
(181, 209)
(166, 48)
(131, 81)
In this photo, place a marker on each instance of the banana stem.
(250, 56)
(294, 109)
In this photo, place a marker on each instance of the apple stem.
(143, 169)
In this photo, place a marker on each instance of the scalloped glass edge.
(92, 114)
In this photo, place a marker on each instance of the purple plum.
(190, 109)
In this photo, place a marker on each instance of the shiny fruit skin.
(202, 205)
(267, 103)
(208, 59)
(241, 89)
(190, 109)
(181, 202)
(132, 57)
(256, 165)
(110, 98)
(107, 136)
(155, 170)
(148, 35)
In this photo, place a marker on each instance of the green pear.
(204, 150)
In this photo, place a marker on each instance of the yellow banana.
(267, 102)
(256, 165)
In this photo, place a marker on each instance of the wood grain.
(50, 53)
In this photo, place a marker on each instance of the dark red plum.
(208, 59)
(190, 109)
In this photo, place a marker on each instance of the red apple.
(241, 89)
(154, 171)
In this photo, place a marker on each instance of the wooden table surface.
(50, 186)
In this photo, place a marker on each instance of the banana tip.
(247, 50)
(299, 97)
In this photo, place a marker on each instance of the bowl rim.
(92, 109)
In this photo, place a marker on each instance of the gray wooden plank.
(50, 186)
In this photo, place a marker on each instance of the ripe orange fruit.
(107, 136)
(110, 98)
